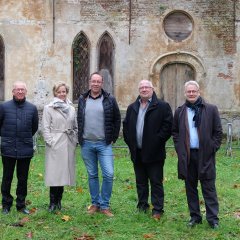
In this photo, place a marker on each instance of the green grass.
(127, 222)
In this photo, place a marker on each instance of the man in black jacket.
(99, 123)
(146, 128)
(18, 124)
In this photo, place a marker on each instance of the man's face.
(19, 91)
(192, 93)
(145, 90)
(96, 84)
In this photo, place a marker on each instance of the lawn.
(73, 223)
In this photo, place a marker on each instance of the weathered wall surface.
(40, 52)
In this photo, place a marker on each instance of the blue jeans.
(92, 153)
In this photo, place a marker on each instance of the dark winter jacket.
(112, 117)
(18, 124)
(157, 130)
(210, 136)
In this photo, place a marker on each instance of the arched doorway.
(2, 58)
(170, 71)
(172, 79)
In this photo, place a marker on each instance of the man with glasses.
(197, 135)
(146, 128)
(99, 123)
(18, 124)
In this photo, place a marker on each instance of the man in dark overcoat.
(197, 135)
(146, 128)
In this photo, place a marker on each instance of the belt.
(68, 131)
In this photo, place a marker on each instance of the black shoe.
(52, 207)
(5, 211)
(59, 205)
(194, 222)
(214, 225)
(143, 210)
(24, 211)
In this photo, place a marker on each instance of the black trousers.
(153, 173)
(22, 166)
(56, 194)
(208, 191)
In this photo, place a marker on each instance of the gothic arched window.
(81, 65)
(106, 50)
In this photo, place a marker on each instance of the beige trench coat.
(60, 136)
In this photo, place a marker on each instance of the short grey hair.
(191, 82)
(149, 82)
(19, 83)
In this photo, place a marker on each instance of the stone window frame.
(112, 70)
(86, 78)
(184, 13)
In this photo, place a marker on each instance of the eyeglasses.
(191, 91)
(96, 82)
(19, 89)
(144, 87)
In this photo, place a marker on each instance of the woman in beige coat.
(59, 128)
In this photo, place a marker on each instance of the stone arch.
(106, 55)
(81, 65)
(2, 67)
(171, 70)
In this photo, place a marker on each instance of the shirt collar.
(94, 98)
(149, 100)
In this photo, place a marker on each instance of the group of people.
(148, 124)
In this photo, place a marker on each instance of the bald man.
(146, 128)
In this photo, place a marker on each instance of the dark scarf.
(197, 108)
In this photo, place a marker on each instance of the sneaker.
(92, 209)
(24, 211)
(107, 212)
(156, 216)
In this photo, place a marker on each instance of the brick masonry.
(40, 52)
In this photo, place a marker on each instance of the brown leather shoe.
(156, 216)
(92, 209)
(107, 212)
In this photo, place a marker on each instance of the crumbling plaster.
(40, 53)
